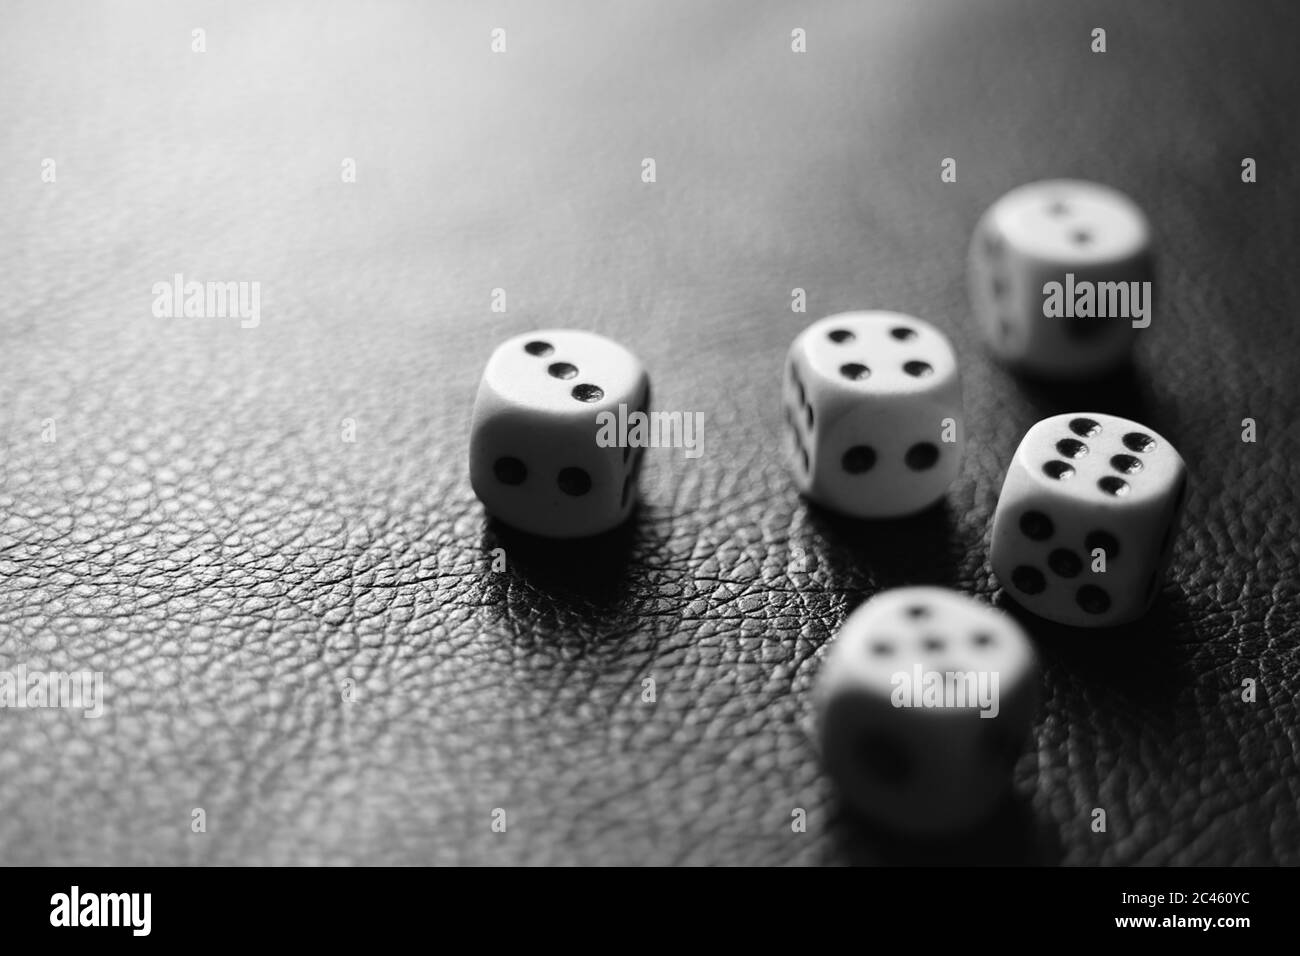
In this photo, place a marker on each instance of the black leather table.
(201, 532)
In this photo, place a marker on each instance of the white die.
(873, 413)
(897, 757)
(1037, 234)
(1084, 486)
(534, 459)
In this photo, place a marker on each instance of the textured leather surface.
(201, 534)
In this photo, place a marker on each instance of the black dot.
(918, 611)
(563, 370)
(921, 456)
(1084, 427)
(1029, 580)
(1057, 208)
(1126, 464)
(574, 481)
(999, 287)
(982, 639)
(1081, 237)
(883, 758)
(1092, 599)
(858, 459)
(882, 649)
(1005, 328)
(855, 372)
(840, 336)
(1104, 540)
(1116, 487)
(903, 333)
(538, 348)
(1058, 470)
(1036, 525)
(803, 397)
(918, 369)
(1137, 441)
(933, 644)
(1071, 448)
(509, 471)
(803, 457)
(808, 412)
(588, 393)
(992, 245)
(1065, 563)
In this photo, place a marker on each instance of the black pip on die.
(924, 702)
(535, 462)
(1086, 521)
(1060, 277)
(874, 413)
